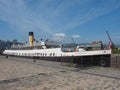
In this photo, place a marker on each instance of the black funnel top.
(30, 33)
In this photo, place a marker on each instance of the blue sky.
(84, 20)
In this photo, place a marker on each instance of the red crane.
(112, 45)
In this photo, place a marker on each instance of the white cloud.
(59, 36)
(75, 36)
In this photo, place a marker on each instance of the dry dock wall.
(96, 60)
(81, 61)
(115, 61)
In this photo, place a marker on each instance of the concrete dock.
(25, 74)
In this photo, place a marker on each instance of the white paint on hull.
(54, 52)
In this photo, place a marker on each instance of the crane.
(73, 41)
(112, 44)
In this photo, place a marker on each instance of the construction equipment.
(73, 41)
(112, 45)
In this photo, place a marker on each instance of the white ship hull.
(57, 54)
(54, 52)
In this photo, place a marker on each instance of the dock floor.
(25, 74)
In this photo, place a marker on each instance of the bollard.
(6, 56)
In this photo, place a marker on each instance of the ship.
(56, 51)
